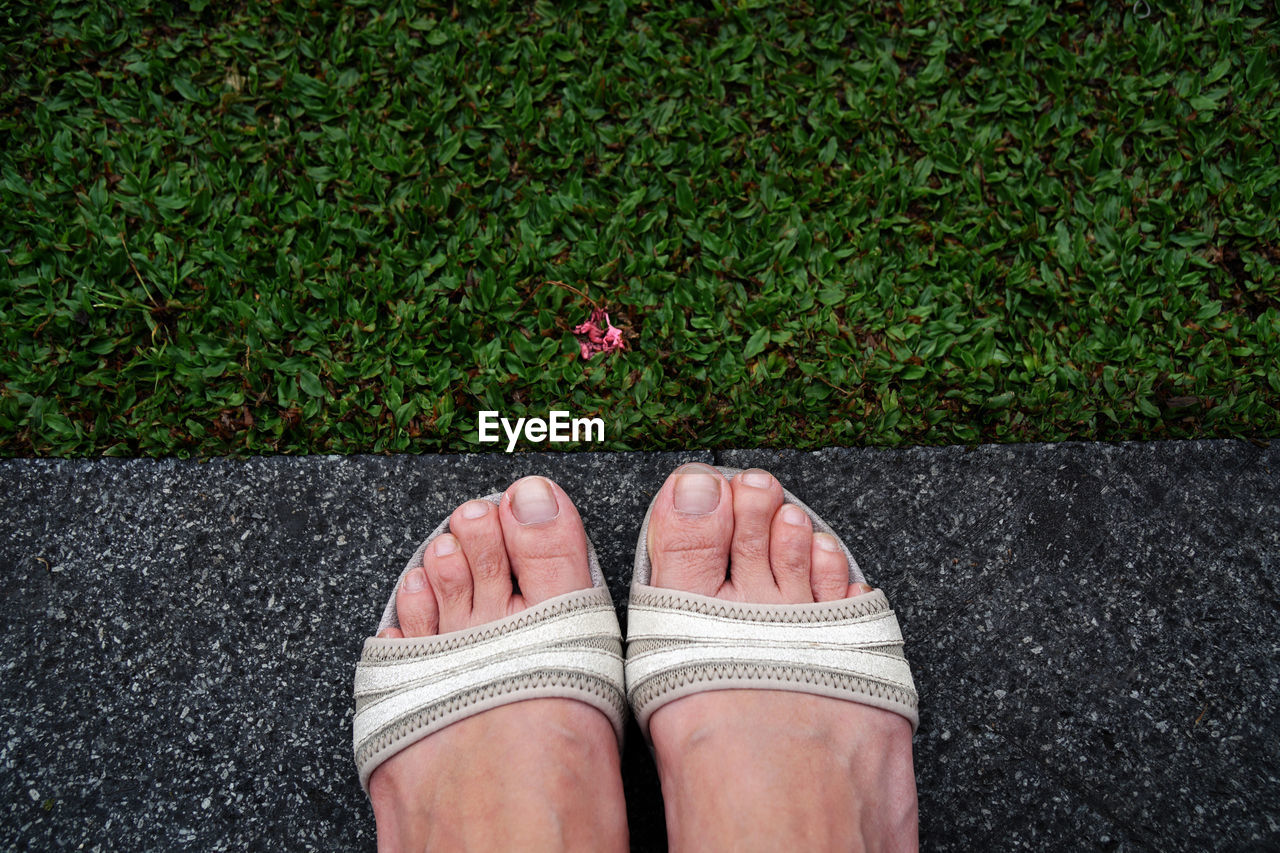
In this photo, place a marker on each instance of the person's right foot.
(767, 769)
(541, 774)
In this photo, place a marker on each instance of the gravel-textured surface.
(1094, 629)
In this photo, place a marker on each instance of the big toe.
(690, 530)
(545, 542)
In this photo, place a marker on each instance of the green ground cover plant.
(266, 227)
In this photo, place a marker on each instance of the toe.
(790, 550)
(415, 608)
(449, 577)
(756, 498)
(830, 572)
(479, 532)
(546, 545)
(690, 530)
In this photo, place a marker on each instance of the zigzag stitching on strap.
(824, 623)
(429, 646)
(850, 610)
(427, 715)
(663, 682)
(719, 646)
(609, 644)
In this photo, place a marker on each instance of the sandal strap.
(680, 643)
(407, 688)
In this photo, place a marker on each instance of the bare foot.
(542, 774)
(767, 769)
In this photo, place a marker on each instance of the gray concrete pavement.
(1094, 631)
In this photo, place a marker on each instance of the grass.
(249, 228)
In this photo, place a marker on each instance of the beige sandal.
(679, 643)
(569, 646)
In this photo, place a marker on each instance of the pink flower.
(600, 335)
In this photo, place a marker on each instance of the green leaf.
(684, 197)
(1259, 71)
(1218, 71)
(914, 371)
(310, 383)
(449, 149)
(1210, 309)
(756, 343)
(184, 88)
(828, 152)
(632, 200)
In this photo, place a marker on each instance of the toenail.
(533, 502)
(863, 588)
(792, 514)
(414, 581)
(446, 545)
(697, 490)
(827, 542)
(475, 509)
(756, 479)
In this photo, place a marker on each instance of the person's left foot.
(542, 774)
